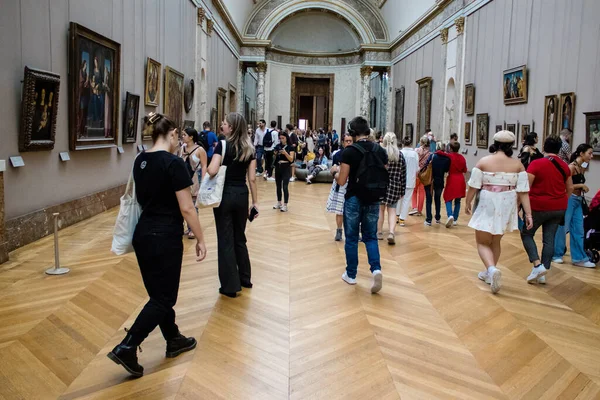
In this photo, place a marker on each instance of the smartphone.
(253, 214)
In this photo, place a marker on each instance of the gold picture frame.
(173, 108)
(551, 116)
(153, 75)
(514, 85)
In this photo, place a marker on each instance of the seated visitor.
(319, 164)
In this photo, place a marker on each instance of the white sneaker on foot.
(542, 280)
(379, 235)
(413, 212)
(377, 281)
(427, 223)
(450, 222)
(558, 260)
(495, 279)
(284, 208)
(292, 179)
(277, 206)
(259, 174)
(348, 280)
(271, 179)
(537, 272)
(484, 277)
(585, 264)
(455, 223)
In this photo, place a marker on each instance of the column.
(365, 98)
(261, 67)
(442, 81)
(389, 122)
(3, 244)
(241, 89)
(460, 70)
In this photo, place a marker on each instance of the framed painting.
(94, 89)
(525, 130)
(567, 111)
(470, 99)
(221, 99)
(550, 116)
(513, 128)
(130, 118)
(468, 138)
(188, 124)
(483, 121)
(173, 107)
(592, 130)
(514, 83)
(410, 133)
(213, 121)
(39, 108)
(188, 98)
(498, 128)
(424, 105)
(152, 92)
(399, 113)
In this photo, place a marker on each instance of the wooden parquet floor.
(434, 332)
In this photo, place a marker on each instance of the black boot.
(179, 344)
(125, 354)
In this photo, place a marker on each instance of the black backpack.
(268, 139)
(188, 164)
(372, 176)
(203, 140)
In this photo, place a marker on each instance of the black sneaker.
(180, 344)
(125, 354)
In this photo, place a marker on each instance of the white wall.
(346, 95)
(400, 14)
(240, 11)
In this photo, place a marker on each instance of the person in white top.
(195, 159)
(310, 142)
(259, 136)
(412, 168)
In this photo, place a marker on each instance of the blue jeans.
(260, 151)
(456, 211)
(428, 201)
(574, 226)
(364, 217)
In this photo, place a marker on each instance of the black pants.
(230, 219)
(549, 221)
(437, 196)
(269, 163)
(159, 252)
(283, 173)
(428, 199)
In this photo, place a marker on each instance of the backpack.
(371, 178)
(203, 140)
(268, 139)
(426, 174)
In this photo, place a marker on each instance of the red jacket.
(456, 186)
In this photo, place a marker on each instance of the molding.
(460, 25)
(252, 59)
(318, 68)
(217, 27)
(444, 35)
(222, 10)
(313, 54)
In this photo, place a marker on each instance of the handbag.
(127, 219)
(211, 189)
(585, 208)
(426, 174)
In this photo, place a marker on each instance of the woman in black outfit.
(162, 186)
(232, 214)
(530, 152)
(284, 157)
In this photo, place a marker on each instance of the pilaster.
(261, 68)
(365, 74)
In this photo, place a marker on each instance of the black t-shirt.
(353, 157)
(281, 157)
(236, 170)
(158, 176)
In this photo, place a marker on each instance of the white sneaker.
(558, 261)
(259, 174)
(450, 222)
(537, 272)
(484, 277)
(542, 280)
(585, 264)
(427, 223)
(377, 281)
(292, 179)
(277, 206)
(455, 223)
(271, 179)
(283, 208)
(348, 280)
(413, 212)
(265, 176)
(495, 279)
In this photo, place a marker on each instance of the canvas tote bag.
(129, 215)
(211, 189)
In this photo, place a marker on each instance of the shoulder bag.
(127, 219)
(211, 189)
(426, 174)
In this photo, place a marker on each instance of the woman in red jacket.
(456, 186)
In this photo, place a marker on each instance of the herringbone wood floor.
(435, 330)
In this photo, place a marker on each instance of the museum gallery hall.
(300, 199)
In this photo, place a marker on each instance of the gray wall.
(222, 69)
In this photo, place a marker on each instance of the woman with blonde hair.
(396, 185)
(232, 213)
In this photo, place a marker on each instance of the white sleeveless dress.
(496, 212)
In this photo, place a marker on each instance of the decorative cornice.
(366, 70)
(261, 67)
(201, 15)
(210, 24)
(313, 54)
(444, 35)
(222, 10)
(460, 25)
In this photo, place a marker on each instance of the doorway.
(312, 100)
(314, 110)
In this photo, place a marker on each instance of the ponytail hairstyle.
(191, 132)
(390, 144)
(239, 138)
(506, 148)
(582, 148)
(157, 125)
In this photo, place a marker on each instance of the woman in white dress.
(500, 183)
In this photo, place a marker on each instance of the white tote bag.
(128, 217)
(211, 189)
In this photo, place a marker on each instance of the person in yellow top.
(309, 157)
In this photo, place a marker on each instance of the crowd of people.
(372, 174)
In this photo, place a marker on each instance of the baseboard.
(38, 224)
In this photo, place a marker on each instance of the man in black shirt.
(360, 211)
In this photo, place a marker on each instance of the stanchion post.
(56, 270)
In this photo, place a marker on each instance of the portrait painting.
(130, 118)
(470, 99)
(410, 133)
(173, 107)
(188, 124)
(513, 128)
(39, 109)
(482, 122)
(525, 130)
(592, 129)
(567, 111)
(153, 72)
(514, 84)
(468, 139)
(188, 97)
(498, 128)
(550, 116)
(94, 89)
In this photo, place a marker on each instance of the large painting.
(214, 123)
(470, 99)
(39, 109)
(550, 116)
(174, 95)
(483, 121)
(424, 105)
(399, 113)
(514, 83)
(94, 84)
(468, 139)
(153, 72)
(567, 111)
(130, 118)
(592, 129)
